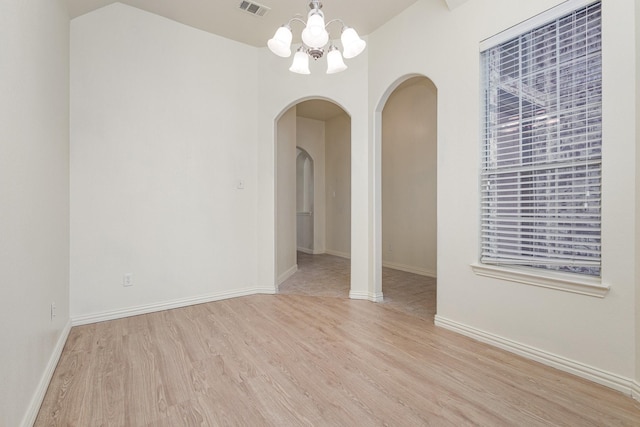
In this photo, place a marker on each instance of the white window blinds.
(541, 163)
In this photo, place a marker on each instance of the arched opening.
(313, 198)
(408, 195)
(304, 201)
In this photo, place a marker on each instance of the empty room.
(283, 213)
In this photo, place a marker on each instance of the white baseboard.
(376, 297)
(36, 401)
(608, 379)
(284, 276)
(635, 390)
(409, 269)
(305, 251)
(337, 253)
(167, 305)
(373, 297)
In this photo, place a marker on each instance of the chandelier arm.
(296, 19)
(335, 20)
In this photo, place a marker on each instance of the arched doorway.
(408, 195)
(304, 201)
(313, 153)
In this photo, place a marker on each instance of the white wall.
(593, 336)
(34, 200)
(409, 177)
(338, 185)
(311, 137)
(162, 132)
(285, 176)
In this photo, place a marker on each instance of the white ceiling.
(224, 17)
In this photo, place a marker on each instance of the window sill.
(552, 280)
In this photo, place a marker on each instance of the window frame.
(548, 278)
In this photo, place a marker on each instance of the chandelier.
(315, 39)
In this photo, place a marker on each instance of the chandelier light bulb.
(335, 64)
(314, 34)
(280, 44)
(352, 44)
(300, 62)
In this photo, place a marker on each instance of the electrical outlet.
(127, 280)
(53, 311)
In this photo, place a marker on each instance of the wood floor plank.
(296, 359)
(145, 392)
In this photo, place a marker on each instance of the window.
(542, 140)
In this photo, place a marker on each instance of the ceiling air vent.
(254, 8)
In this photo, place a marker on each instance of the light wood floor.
(326, 275)
(294, 359)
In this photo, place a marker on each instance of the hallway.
(328, 276)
